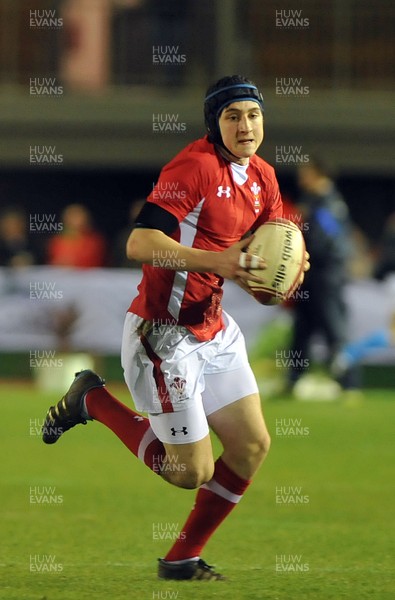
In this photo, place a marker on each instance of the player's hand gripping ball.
(280, 242)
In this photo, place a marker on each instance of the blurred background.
(97, 95)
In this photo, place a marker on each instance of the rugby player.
(184, 357)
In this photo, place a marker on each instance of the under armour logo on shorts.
(183, 430)
(221, 191)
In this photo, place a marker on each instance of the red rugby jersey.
(214, 209)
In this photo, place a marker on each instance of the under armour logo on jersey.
(183, 430)
(137, 418)
(221, 191)
(255, 188)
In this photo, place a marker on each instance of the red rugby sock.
(131, 428)
(214, 501)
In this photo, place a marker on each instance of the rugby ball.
(280, 242)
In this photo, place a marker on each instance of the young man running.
(183, 356)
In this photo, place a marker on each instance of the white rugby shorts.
(178, 380)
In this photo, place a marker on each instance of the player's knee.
(259, 448)
(192, 476)
(263, 444)
(255, 451)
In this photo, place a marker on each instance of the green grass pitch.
(80, 519)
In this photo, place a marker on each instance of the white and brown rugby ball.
(280, 242)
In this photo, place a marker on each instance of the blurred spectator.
(386, 259)
(84, 61)
(17, 248)
(78, 245)
(362, 259)
(119, 258)
(320, 305)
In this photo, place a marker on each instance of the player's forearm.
(153, 247)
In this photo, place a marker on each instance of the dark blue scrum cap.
(227, 90)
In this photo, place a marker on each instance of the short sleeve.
(181, 186)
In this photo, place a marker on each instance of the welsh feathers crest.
(178, 387)
(255, 188)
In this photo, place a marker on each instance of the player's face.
(241, 127)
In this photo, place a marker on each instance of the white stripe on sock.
(147, 438)
(219, 489)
